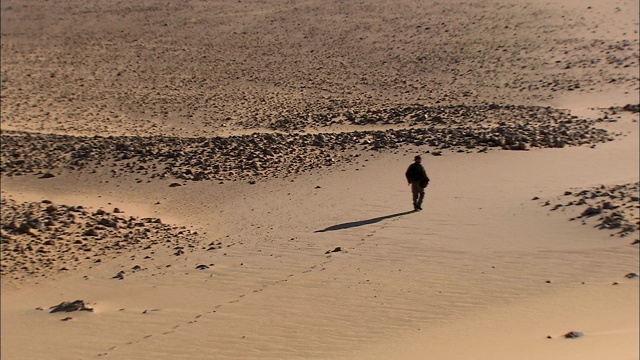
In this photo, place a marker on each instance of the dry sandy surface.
(225, 180)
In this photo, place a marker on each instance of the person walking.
(418, 180)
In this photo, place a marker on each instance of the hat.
(418, 157)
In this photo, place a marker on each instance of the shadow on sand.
(363, 222)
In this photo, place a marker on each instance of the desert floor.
(225, 180)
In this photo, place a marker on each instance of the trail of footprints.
(215, 309)
(240, 297)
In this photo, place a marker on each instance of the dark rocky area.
(42, 238)
(283, 153)
(614, 208)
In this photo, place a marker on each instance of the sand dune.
(220, 180)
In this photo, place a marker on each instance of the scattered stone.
(77, 305)
(30, 237)
(119, 275)
(337, 249)
(90, 232)
(460, 128)
(591, 211)
(573, 335)
(202, 267)
(609, 207)
(46, 176)
(631, 276)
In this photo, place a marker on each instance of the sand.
(220, 180)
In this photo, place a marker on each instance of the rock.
(573, 335)
(108, 223)
(119, 275)
(174, 184)
(35, 224)
(337, 249)
(46, 176)
(24, 228)
(631, 276)
(202, 267)
(77, 305)
(591, 211)
(90, 232)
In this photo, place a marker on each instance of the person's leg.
(420, 198)
(415, 191)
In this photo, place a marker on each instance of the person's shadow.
(362, 222)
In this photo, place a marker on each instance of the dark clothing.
(416, 174)
(418, 179)
(417, 193)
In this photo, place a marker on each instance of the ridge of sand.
(323, 262)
